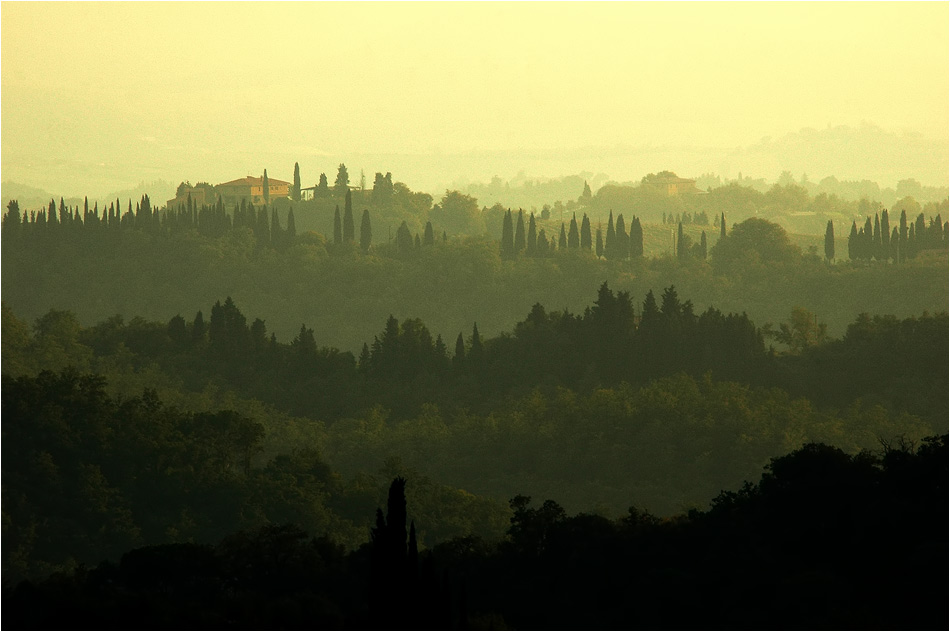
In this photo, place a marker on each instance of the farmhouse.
(251, 189)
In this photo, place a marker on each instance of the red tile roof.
(250, 181)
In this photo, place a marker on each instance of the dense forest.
(192, 392)
(342, 261)
(808, 546)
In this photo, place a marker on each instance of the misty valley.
(671, 403)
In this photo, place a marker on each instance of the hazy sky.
(103, 95)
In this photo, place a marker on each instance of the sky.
(100, 96)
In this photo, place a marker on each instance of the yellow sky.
(125, 84)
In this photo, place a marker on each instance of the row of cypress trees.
(535, 243)
(209, 220)
(879, 241)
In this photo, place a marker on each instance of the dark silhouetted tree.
(348, 228)
(507, 237)
(337, 226)
(573, 237)
(342, 183)
(830, 241)
(519, 233)
(531, 245)
(295, 192)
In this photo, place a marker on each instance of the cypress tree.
(600, 243)
(877, 249)
(885, 234)
(542, 248)
(366, 232)
(198, 327)
(291, 227)
(830, 241)
(894, 248)
(475, 347)
(609, 240)
(275, 230)
(722, 226)
(417, 242)
(459, 356)
(867, 247)
(265, 185)
(636, 238)
(348, 229)
(902, 246)
(519, 232)
(295, 193)
(702, 245)
(262, 229)
(429, 238)
(403, 238)
(853, 242)
(337, 226)
(621, 239)
(574, 238)
(562, 240)
(531, 247)
(682, 248)
(585, 233)
(507, 237)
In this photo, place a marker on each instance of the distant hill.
(30, 198)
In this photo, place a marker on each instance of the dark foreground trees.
(821, 542)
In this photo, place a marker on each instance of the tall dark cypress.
(682, 249)
(475, 346)
(429, 236)
(531, 246)
(877, 247)
(337, 226)
(348, 229)
(295, 193)
(459, 356)
(276, 232)
(867, 246)
(562, 239)
(830, 241)
(366, 232)
(902, 246)
(600, 243)
(585, 233)
(291, 227)
(703, 250)
(265, 186)
(853, 247)
(519, 232)
(609, 240)
(885, 234)
(573, 237)
(621, 239)
(507, 237)
(636, 238)
(722, 226)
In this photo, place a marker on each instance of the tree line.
(791, 549)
